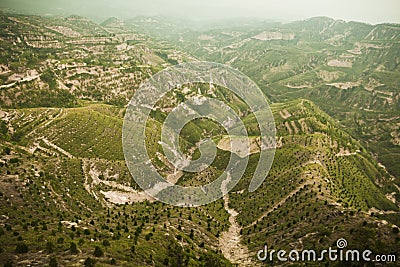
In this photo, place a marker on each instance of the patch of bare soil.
(294, 126)
(240, 144)
(339, 63)
(344, 86)
(229, 242)
(285, 114)
(297, 86)
(287, 125)
(120, 195)
(59, 149)
(344, 152)
(268, 36)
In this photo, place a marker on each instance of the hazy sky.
(372, 11)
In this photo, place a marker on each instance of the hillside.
(67, 196)
(349, 69)
(54, 62)
(72, 188)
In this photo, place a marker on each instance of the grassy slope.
(307, 175)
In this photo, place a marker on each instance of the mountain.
(71, 185)
(68, 197)
(112, 22)
(50, 62)
(349, 69)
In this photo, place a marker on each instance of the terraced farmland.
(68, 198)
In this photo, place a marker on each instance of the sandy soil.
(344, 152)
(118, 197)
(391, 197)
(344, 86)
(59, 149)
(268, 36)
(297, 86)
(122, 193)
(240, 143)
(205, 37)
(4, 69)
(285, 114)
(338, 63)
(229, 242)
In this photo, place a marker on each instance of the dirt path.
(229, 242)
(59, 149)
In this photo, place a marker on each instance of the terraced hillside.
(67, 192)
(349, 69)
(63, 175)
(68, 198)
(53, 62)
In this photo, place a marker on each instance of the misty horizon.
(372, 12)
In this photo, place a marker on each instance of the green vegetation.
(67, 196)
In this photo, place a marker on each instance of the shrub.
(53, 262)
(98, 252)
(21, 248)
(73, 248)
(49, 247)
(14, 160)
(89, 262)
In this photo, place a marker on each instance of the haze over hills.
(370, 11)
(350, 69)
(68, 197)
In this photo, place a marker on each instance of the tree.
(3, 129)
(49, 247)
(7, 150)
(89, 262)
(17, 136)
(191, 235)
(73, 248)
(98, 252)
(53, 262)
(21, 248)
